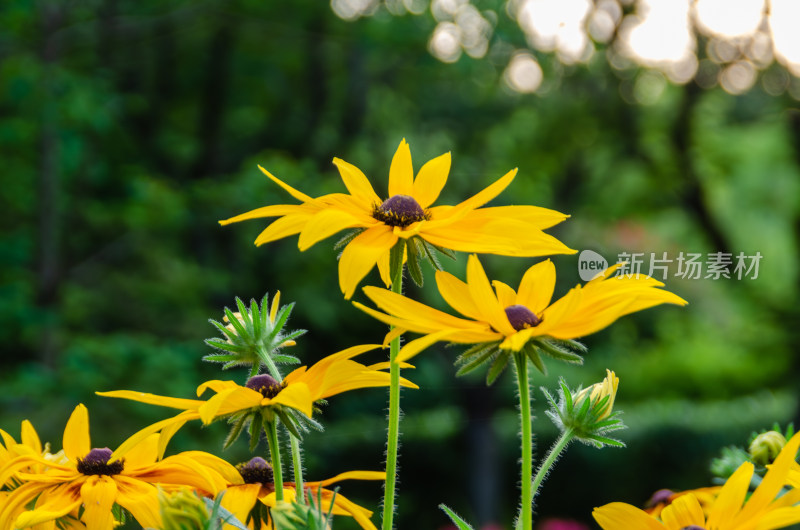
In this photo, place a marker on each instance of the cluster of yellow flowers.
(85, 486)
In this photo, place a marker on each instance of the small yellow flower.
(766, 508)
(97, 479)
(259, 486)
(405, 214)
(598, 391)
(513, 318)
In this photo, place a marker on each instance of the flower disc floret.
(267, 385)
(256, 471)
(520, 317)
(400, 210)
(96, 462)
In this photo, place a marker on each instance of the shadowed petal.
(361, 255)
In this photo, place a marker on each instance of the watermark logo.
(686, 265)
(590, 264)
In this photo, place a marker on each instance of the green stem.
(275, 454)
(552, 455)
(394, 419)
(269, 363)
(297, 466)
(526, 502)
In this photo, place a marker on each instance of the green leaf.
(446, 251)
(288, 422)
(477, 362)
(347, 238)
(458, 521)
(559, 353)
(255, 318)
(224, 345)
(430, 254)
(235, 431)
(280, 321)
(281, 358)
(396, 259)
(240, 330)
(533, 354)
(497, 368)
(414, 270)
(255, 431)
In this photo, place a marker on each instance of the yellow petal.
(773, 481)
(537, 286)
(456, 294)
(136, 438)
(484, 298)
(361, 255)
(275, 210)
(276, 304)
(298, 396)
(98, 494)
(16, 501)
(621, 516)
(540, 218)
(684, 511)
(324, 224)
(215, 385)
(416, 346)
(505, 294)
(283, 227)
(481, 198)
(240, 500)
(229, 401)
(778, 518)
(29, 436)
(431, 180)
(401, 174)
(731, 496)
(76, 441)
(153, 399)
(356, 182)
(354, 475)
(145, 453)
(141, 499)
(59, 503)
(383, 269)
(300, 196)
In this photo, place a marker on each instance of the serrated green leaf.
(477, 362)
(281, 358)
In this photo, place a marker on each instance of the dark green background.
(129, 128)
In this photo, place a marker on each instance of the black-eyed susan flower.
(263, 394)
(732, 509)
(91, 481)
(253, 500)
(501, 320)
(407, 215)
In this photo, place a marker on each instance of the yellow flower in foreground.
(259, 487)
(299, 390)
(90, 478)
(764, 510)
(512, 318)
(407, 213)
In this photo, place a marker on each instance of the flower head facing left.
(407, 214)
(766, 508)
(500, 320)
(96, 480)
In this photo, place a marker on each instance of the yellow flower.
(407, 213)
(598, 391)
(513, 318)
(259, 487)
(299, 390)
(664, 497)
(764, 509)
(97, 480)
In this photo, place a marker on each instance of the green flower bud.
(184, 510)
(765, 447)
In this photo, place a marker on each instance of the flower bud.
(765, 447)
(598, 391)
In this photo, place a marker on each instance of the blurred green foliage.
(130, 128)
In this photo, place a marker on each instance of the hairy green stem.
(552, 455)
(297, 466)
(275, 455)
(394, 420)
(526, 502)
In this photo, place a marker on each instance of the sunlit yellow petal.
(456, 293)
(275, 210)
(283, 227)
(353, 475)
(29, 437)
(537, 286)
(153, 399)
(239, 500)
(484, 298)
(98, 494)
(324, 224)
(15, 503)
(505, 294)
(141, 499)
(773, 481)
(778, 518)
(621, 516)
(227, 402)
(481, 198)
(298, 396)
(144, 453)
(684, 511)
(401, 173)
(300, 196)
(76, 441)
(215, 385)
(361, 255)
(416, 346)
(540, 218)
(356, 182)
(276, 304)
(731, 496)
(58, 504)
(431, 179)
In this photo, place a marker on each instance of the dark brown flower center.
(693, 527)
(256, 471)
(266, 384)
(521, 317)
(96, 463)
(399, 210)
(659, 497)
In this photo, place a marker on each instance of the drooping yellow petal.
(356, 182)
(324, 224)
(484, 298)
(415, 347)
(731, 496)
(456, 294)
(98, 494)
(153, 399)
(298, 396)
(537, 286)
(141, 499)
(227, 402)
(283, 227)
(684, 511)
(383, 269)
(76, 442)
(352, 475)
(401, 173)
(275, 210)
(215, 385)
(215, 464)
(300, 196)
(431, 180)
(361, 255)
(505, 294)
(240, 500)
(621, 516)
(59, 502)
(14, 504)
